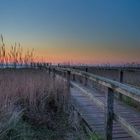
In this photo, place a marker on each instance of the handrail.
(126, 90)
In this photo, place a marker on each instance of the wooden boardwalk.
(93, 113)
(102, 112)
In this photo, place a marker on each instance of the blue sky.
(92, 21)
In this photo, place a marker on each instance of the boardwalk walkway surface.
(90, 104)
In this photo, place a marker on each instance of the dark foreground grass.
(25, 130)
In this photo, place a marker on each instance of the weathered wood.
(109, 114)
(121, 81)
(54, 72)
(87, 93)
(49, 70)
(121, 76)
(131, 129)
(65, 74)
(68, 80)
(86, 77)
(73, 77)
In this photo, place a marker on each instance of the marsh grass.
(28, 105)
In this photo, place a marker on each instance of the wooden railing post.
(54, 73)
(68, 79)
(120, 80)
(109, 114)
(73, 77)
(120, 76)
(86, 77)
(49, 70)
(64, 74)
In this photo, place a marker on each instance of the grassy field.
(30, 108)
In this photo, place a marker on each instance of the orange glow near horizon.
(75, 52)
(87, 53)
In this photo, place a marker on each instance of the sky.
(75, 31)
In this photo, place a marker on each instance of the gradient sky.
(78, 31)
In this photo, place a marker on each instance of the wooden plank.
(131, 129)
(121, 135)
(91, 96)
(123, 138)
(109, 114)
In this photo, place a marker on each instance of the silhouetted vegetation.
(15, 55)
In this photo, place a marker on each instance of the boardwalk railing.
(113, 87)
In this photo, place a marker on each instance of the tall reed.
(16, 55)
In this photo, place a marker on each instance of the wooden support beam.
(54, 72)
(121, 76)
(65, 74)
(68, 92)
(109, 114)
(49, 70)
(68, 79)
(73, 77)
(86, 77)
(121, 81)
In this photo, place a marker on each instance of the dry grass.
(30, 97)
(15, 55)
(31, 85)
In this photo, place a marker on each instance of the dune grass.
(29, 107)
